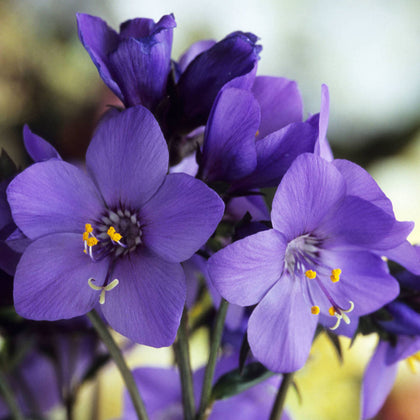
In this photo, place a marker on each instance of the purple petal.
(128, 157)
(322, 147)
(192, 52)
(180, 217)
(405, 320)
(51, 197)
(405, 255)
(99, 40)
(160, 389)
(361, 184)
(244, 271)
(280, 102)
(364, 280)
(359, 222)
(38, 148)
(51, 280)
(255, 205)
(281, 328)
(310, 189)
(141, 69)
(143, 27)
(377, 382)
(276, 152)
(147, 304)
(405, 347)
(229, 142)
(199, 85)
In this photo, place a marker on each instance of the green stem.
(182, 354)
(216, 338)
(281, 397)
(9, 398)
(118, 358)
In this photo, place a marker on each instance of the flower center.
(302, 259)
(117, 234)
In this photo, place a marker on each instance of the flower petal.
(38, 148)
(377, 382)
(180, 217)
(193, 51)
(51, 197)
(51, 280)
(199, 85)
(245, 270)
(280, 102)
(147, 304)
(229, 142)
(99, 40)
(406, 255)
(128, 157)
(310, 189)
(281, 328)
(276, 152)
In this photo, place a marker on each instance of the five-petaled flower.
(321, 262)
(116, 235)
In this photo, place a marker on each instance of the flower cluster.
(171, 207)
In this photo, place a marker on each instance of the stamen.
(113, 234)
(114, 283)
(88, 228)
(335, 275)
(340, 314)
(310, 274)
(315, 310)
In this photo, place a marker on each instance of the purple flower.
(134, 64)
(382, 369)
(399, 340)
(253, 136)
(116, 235)
(160, 388)
(319, 263)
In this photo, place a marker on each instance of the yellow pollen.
(315, 310)
(85, 236)
(310, 274)
(91, 241)
(335, 275)
(331, 311)
(257, 133)
(115, 236)
(88, 228)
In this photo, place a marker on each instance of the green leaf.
(233, 382)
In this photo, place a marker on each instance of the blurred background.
(366, 51)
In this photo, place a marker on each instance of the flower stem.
(118, 358)
(182, 354)
(281, 397)
(9, 398)
(216, 338)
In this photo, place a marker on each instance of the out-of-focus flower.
(161, 391)
(117, 235)
(320, 262)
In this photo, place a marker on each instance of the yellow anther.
(335, 275)
(88, 228)
(310, 274)
(91, 241)
(331, 311)
(113, 234)
(315, 310)
(85, 236)
(257, 133)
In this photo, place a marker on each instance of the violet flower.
(319, 263)
(399, 340)
(116, 235)
(161, 390)
(134, 64)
